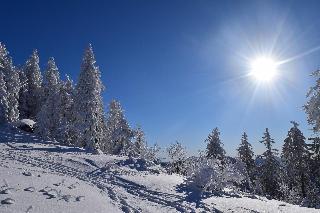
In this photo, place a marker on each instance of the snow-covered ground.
(42, 176)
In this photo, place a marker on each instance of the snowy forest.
(73, 114)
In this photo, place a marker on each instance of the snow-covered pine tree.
(178, 156)
(295, 156)
(214, 146)
(139, 148)
(312, 108)
(3, 100)
(13, 88)
(118, 131)
(67, 134)
(49, 116)
(11, 77)
(23, 108)
(314, 158)
(88, 104)
(34, 81)
(246, 156)
(269, 174)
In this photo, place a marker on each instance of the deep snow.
(43, 176)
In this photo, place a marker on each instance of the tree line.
(73, 115)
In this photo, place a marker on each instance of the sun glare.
(263, 69)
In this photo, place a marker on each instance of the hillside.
(43, 176)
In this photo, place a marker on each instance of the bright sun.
(263, 69)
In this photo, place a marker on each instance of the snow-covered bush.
(152, 153)
(177, 156)
(208, 175)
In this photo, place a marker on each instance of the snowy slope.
(42, 176)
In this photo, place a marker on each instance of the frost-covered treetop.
(52, 73)
(3, 50)
(214, 145)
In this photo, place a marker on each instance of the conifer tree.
(34, 81)
(295, 156)
(49, 116)
(140, 144)
(269, 174)
(3, 100)
(214, 146)
(246, 156)
(89, 118)
(314, 158)
(11, 78)
(67, 134)
(23, 108)
(118, 132)
(13, 88)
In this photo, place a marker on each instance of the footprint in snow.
(27, 173)
(30, 189)
(66, 198)
(8, 201)
(53, 193)
(45, 189)
(7, 191)
(80, 198)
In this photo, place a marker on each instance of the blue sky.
(178, 67)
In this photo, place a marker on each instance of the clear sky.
(180, 67)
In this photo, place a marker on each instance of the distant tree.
(11, 78)
(295, 156)
(3, 100)
(214, 146)
(139, 148)
(118, 132)
(34, 81)
(246, 156)
(152, 153)
(269, 174)
(49, 116)
(178, 156)
(88, 104)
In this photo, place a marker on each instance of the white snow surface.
(42, 176)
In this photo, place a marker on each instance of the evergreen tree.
(269, 174)
(140, 144)
(34, 81)
(23, 108)
(214, 146)
(118, 132)
(246, 156)
(88, 105)
(295, 156)
(67, 134)
(314, 160)
(3, 100)
(11, 78)
(13, 88)
(49, 116)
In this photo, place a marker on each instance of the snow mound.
(25, 125)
